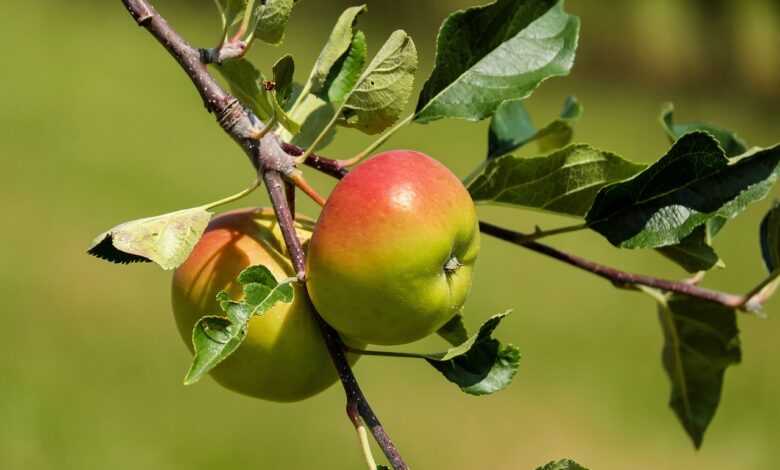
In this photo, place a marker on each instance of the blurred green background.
(100, 126)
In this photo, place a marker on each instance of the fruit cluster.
(389, 261)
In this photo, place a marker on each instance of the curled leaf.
(215, 338)
(731, 143)
(481, 365)
(165, 239)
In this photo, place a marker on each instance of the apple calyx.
(452, 265)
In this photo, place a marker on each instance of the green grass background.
(98, 126)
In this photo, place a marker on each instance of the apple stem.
(298, 180)
(396, 354)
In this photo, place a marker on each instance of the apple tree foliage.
(488, 60)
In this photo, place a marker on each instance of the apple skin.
(283, 357)
(376, 261)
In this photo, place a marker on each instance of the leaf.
(165, 239)
(694, 252)
(693, 183)
(489, 54)
(700, 341)
(481, 365)
(770, 238)
(565, 181)
(565, 464)
(380, 95)
(284, 71)
(270, 18)
(339, 42)
(731, 143)
(560, 132)
(511, 128)
(246, 83)
(454, 331)
(346, 71)
(231, 11)
(331, 80)
(214, 338)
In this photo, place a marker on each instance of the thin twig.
(360, 429)
(328, 166)
(273, 181)
(619, 278)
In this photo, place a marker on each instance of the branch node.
(142, 15)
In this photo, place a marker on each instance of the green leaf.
(339, 42)
(560, 132)
(214, 338)
(380, 94)
(565, 181)
(481, 365)
(270, 18)
(731, 143)
(246, 83)
(770, 238)
(344, 74)
(700, 341)
(454, 331)
(565, 464)
(489, 54)
(693, 183)
(332, 79)
(694, 253)
(165, 239)
(231, 11)
(511, 128)
(284, 71)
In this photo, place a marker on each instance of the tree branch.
(355, 397)
(269, 157)
(326, 165)
(619, 278)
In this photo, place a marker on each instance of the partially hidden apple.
(283, 357)
(391, 257)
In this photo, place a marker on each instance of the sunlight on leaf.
(690, 185)
(164, 239)
(564, 182)
(489, 54)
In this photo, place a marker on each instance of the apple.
(392, 253)
(283, 357)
